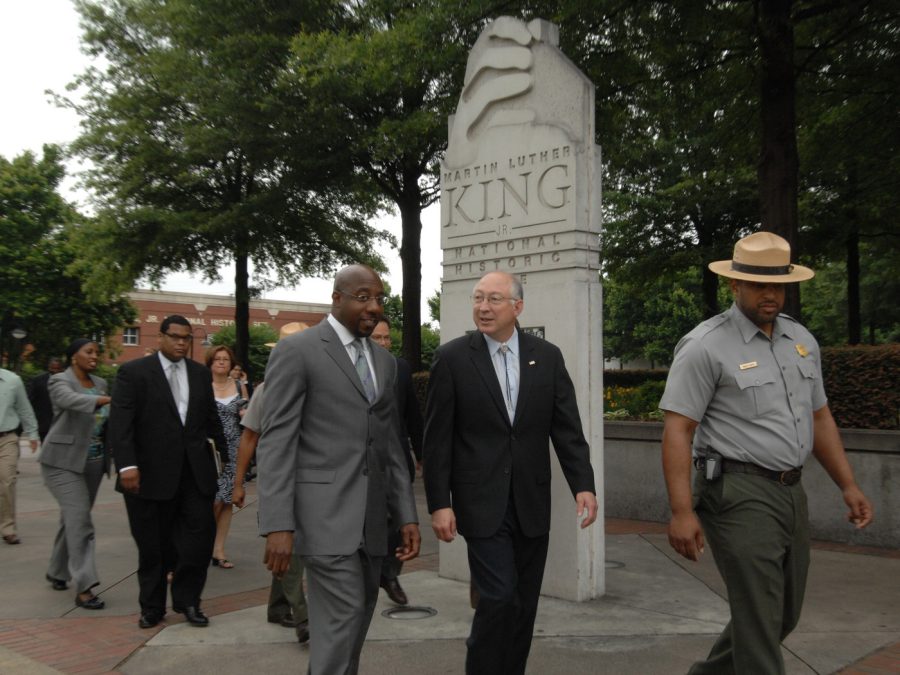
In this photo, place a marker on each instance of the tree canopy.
(198, 160)
(41, 290)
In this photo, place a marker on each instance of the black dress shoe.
(92, 602)
(57, 584)
(303, 632)
(394, 591)
(286, 620)
(193, 615)
(150, 618)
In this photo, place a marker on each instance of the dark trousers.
(507, 569)
(758, 531)
(184, 524)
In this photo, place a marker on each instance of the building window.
(131, 337)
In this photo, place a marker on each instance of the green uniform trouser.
(286, 594)
(758, 530)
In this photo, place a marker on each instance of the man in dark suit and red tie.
(496, 398)
(161, 416)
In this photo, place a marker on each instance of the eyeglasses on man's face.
(175, 337)
(366, 299)
(494, 299)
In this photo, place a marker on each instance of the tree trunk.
(242, 312)
(778, 163)
(854, 318)
(411, 259)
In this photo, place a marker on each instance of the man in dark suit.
(331, 468)
(409, 430)
(495, 400)
(161, 416)
(39, 396)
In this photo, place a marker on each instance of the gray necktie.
(504, 349)
(175, 386)
(362, 369)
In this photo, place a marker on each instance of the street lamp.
(203, 343)
(18, 335)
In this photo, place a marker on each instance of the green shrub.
(862, 385)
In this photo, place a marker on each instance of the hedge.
(862, 383)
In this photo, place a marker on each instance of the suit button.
(506, 471)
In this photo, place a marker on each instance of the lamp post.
(18, 335)
(203, 343)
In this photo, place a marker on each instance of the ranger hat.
(289, 329)
(763, 257)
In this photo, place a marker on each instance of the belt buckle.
(789, 477)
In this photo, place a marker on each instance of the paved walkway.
(658, 615)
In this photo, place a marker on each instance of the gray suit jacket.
(330, 464)
(67, 441)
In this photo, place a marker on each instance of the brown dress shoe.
(11, 539)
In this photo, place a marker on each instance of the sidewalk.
(659, 614)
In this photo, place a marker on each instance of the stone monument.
(520, 192)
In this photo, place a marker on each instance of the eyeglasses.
(364, 299)
(493, 300)
(174, 337)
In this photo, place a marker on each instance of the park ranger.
(744, 401)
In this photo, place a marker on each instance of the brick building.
(208, 314)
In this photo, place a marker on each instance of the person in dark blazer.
(162, 413)
(409, 430)
(74, 458)
(496, 398)
(331, 468)
(39, 396)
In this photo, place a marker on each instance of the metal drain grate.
(409, 613)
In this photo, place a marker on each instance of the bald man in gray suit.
(331, 468)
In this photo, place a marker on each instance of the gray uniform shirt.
(252, 418)
(753, 397)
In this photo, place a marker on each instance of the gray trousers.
(758, 531)
(343, 591)
(73, 555)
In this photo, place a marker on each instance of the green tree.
(198, 159)
(40, 289)
(645, 320)
(261, 335)
(699, 111)
(388, 81)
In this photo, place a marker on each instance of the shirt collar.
(748, 329)
(512, 344)
(346, 337)
(165, 362)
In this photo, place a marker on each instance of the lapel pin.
(801, 350)
(531, 363)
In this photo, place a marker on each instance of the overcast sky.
(40, 50)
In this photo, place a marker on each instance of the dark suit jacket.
(474, 456)
(146, 431)
(411, 425)
(39, 396)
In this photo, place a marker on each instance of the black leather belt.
(789, 477)
(11, 431)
